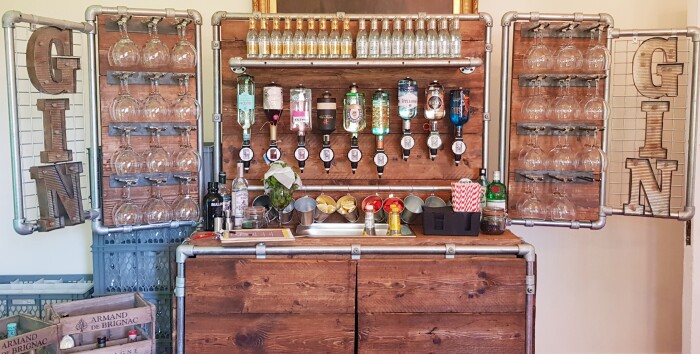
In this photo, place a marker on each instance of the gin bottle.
(373, 40)
(496, 195)
(385, 40)
(421, 46)
(362, 46)
(346, 40)
(239, 197)
(225, 194)
(397, 40)
(246, 104)
(409, 40)
(432, 39)
(444, 39)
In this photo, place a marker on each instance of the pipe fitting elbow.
(24, 228)
(607, 19)
(92, 12)
(217, 17)
(508, 18)
(10, 18)
(600, 223)
(687, 213)
(527, 251)
(195, 15)
(487, 18)
(694, 33)
(183, 252)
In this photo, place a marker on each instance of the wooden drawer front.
(466, 285)
(441, 333)
(270, 333)
(222, 286)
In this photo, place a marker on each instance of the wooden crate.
(111, 316)
(32, 335)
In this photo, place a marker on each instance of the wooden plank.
(441, 333)
(225, 286)
(426, 286)
(269, 333)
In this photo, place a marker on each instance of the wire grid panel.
(31, 119)
(626, 128)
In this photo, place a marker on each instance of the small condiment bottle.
(133, 335)
(493, 220)
(102, 342)
(394, 221)
(369, 221)
(11, 329)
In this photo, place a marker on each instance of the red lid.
(132, 332)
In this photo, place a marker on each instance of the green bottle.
(496, 194)
(484, 182)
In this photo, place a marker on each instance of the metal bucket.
(377, 202)
(413, 206)
(320, 215)
(305, 207)
(264, 201)
(351, 215)
(287, 214)
(434, 201)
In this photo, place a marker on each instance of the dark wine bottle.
(212, 206)
(326, 113)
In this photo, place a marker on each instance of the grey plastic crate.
(28, 294)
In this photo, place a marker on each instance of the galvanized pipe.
(218, 103)
(200, 121)
(689, 211)
(503, 116)
(11, 17)
(322, 188)
(570, 224)
(487, 98)
(180, 303)
(575, 17)
(95, 143)
(93, 11)
(688, 32)
(237, 62)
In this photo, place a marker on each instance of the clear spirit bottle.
(246, 104)
(373, 39)
(287, 42)
(354, 120)
(397, 40)
(455, 39)
(251, 39)
(432, 39)
(263, 39)
(239, 197)
(444, 39)
(311, 40)
(362, 45)
(409, 40)
(225, 194)
(346, 40)
(385, 40)
(334, 40)
(322, 39)
(421, 46)
(299, 39)
(275, 39)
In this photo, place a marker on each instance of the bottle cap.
(133, 332)
(496, 175)
(369, 207)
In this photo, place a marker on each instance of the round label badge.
(301, 154)
(246, 154)
(327, 155)
(354, 155)
(459, 147)
(381, 159)
(434, 102)
(434, 142)
(273, 154)
(407, 142)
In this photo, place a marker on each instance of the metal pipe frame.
(218, 86)
(9, 19)
(223, 15)
(91, 14)
(692, 116)
(504, 117)
(237, 62)
(524, 250)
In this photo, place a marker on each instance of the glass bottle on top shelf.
(373, 38)
(211, 206)
(239, 196)
(287, 41)
(409, 40)
(300, 107)
(455, 39)
(299, 40)
(322, 39)
(346, 40)
(157, 210)
(275, 39)
(432, 39)
(434, 111)
(272, 106)
(155, 107)
(496, 194)
(326, 109)
(125, 52)
(408, 109)
(421, 41)
(380, 127)
(385, 40)
(444, 43)
(183, 55)
(362, 45)
(246, 114)
(311, 40)
(397, 40)
(334, 40)
(354, 121)
(263, 39)
(124, 107)
(251, 39)
(155, 53)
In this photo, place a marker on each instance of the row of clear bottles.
(402, 42)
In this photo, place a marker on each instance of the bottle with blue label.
(459, 115)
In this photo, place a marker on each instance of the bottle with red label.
(496, 194)
(300, 107)
(272, 106)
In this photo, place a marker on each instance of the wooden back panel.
(107, 93)
(586, 196)
(418, 170)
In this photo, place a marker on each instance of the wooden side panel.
(467, 285)
(441, 333)
(270, 333)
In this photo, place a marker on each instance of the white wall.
(613, 291)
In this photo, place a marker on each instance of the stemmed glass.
(125, 160)
(568, 57)
(185, 207)
(155, 52)
(592, 158)
(536, 105)
(597, 57)
(539, 57)
(596, 107)
(155, 107)
(126, 212)
(565, 107)
(183, 55)
(563, 156)
(124, 52)
(124, 107)
(187, 158)
(157, 158)
(156, 210)
(532, 207)
(561, 208)
(534, 158)
(185, 107)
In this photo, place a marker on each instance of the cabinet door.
(271, 306)
(441, 305)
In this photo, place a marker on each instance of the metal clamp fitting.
(260, 251)
(216, 117)
(180, 286)
(216, 45)
(450, 250)
(530, 284)
(170, 12)
(355, 252)
(578, 17)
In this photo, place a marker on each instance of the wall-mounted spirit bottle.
(385, 40)
(334, 40)
(373, 38)
(299, 39)
(326, 118)
(263, 39)
(275, 39)
(362, 45)
(300, 107)
(432, 38)
(380, 127)
(421, 42)
(459, 115)
(455, 39)
(311, 40)
(434, 111)
(408, 109)
(409, 40)
(346, 40)
(354, 121)
(287, 39)
(322, 39)
(272, 106)
(251, 39)
(245, 100)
